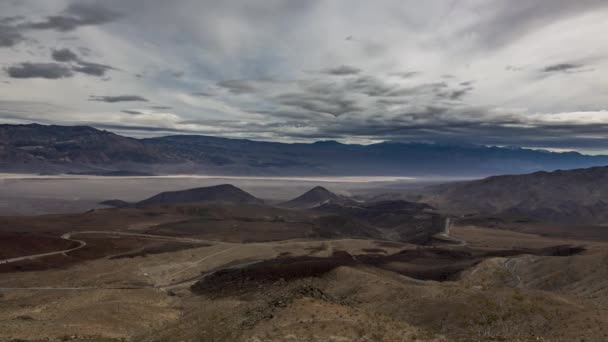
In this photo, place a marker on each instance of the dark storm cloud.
(82, 66)
(202, 93)
(64, 55)
(456, 94)
(132, 112)
(75, 15)
(9, 36)
(93, 69)
(561, 67)
(11, 19)
(342, 70)
(238, 87)
(118, 98)
(13, 28)
(160, 107)
(39, 70)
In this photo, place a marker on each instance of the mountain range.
(38, 148)
(571, 196)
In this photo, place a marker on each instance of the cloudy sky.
(494, 72)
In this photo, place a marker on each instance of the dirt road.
(66, 236)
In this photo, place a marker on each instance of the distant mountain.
(573, 196)
(226, 193)
(116, 203)
(60, 149)
(38, 148)
(313, 198)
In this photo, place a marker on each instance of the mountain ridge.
(39, 148)
(578, 195)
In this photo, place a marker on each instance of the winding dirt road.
(81, 244)
(66, 236)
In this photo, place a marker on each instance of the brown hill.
(225, 193)
(579, 195)
(315, 197)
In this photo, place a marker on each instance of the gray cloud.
(342, 70)
(238, 87)
(501, 23)
(118, 98)
(82, 66)
(64, 55)
(333, 104)
(9, 36)
(132, 112)
(561, 67)
(203, 93)
(406, 74)
(39, 70)
(75, 15)
(93, 69)
(401, 50)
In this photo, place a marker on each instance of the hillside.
(313, 198)
(225, 193)
(579, 195)
(61, 149)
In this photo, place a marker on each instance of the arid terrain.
(333, 270)
(303, 171)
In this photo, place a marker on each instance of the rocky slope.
(579, 195)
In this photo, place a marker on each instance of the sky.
(491, 72)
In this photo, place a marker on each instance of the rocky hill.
(315, 197)
(226, 193)
(579, 195)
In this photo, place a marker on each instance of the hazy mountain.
(38, 148)
(313, 198)
(579, 195)
(225, 193)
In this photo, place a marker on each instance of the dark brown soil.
(16, 244)
(439, 264)
(235, 229)
(97, 247)
(164, 248)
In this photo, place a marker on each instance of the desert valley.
(303, 171)
(217, 263)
